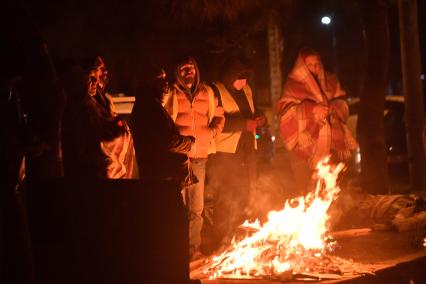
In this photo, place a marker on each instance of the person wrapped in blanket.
(313, 112)
(97, 143)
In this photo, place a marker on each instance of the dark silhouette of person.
(97, 143)
(161, 153)
(31, 101)
(161, 150)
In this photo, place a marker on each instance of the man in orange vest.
(197, 113)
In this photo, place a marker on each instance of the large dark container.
(116, 231)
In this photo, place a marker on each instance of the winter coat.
(161, 151)
(196, 113)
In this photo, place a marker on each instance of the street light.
(326, 20)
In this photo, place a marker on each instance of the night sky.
(126, 33)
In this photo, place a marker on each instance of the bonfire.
(293, 241)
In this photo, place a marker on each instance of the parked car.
(395, 133)
(123, 105)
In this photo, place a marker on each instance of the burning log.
(292, 244)
(198, 267)
(338, 235)
(197, 263)
(315, 277)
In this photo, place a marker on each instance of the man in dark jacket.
(160, 150)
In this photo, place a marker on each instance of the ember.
(294, 241)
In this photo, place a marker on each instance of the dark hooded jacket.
(238, 107)
(160, 149)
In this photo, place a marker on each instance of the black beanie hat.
(237, 68)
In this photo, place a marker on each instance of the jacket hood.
(302, 85)
(180, 82)
(300, 71)
(236, 68)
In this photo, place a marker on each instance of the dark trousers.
(232, 179)
(302, 173)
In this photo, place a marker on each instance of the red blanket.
(300, 131)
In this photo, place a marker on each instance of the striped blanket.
(300, 130)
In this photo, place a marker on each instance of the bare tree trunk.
(412, 88)
(351, 68)
(374, 176)
(275, 46)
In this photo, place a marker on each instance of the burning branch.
(292, 241)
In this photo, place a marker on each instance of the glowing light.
(273, 138)
(326, 20)
(293, 239)
(358, 155)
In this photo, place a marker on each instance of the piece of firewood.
(198, 271)
(197, 263)
(350, 233)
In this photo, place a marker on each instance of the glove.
(251, 125)
(260, 120)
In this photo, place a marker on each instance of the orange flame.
(290, 240)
